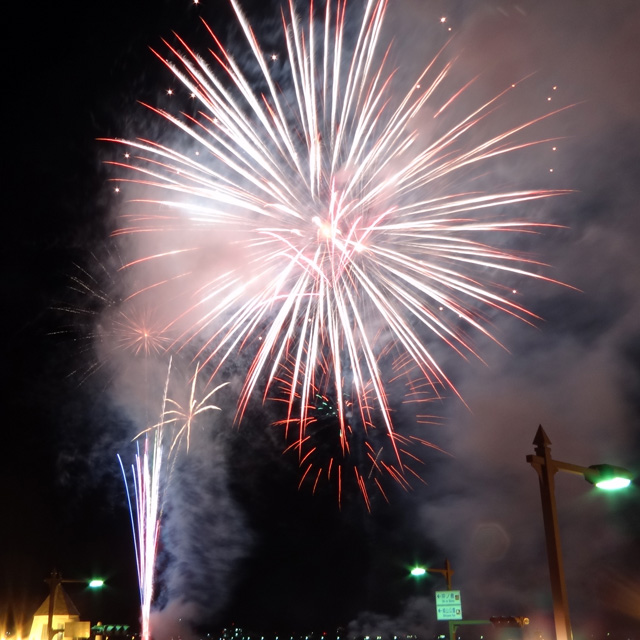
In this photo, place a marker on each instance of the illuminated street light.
(608, 477)
(54, 581)
(604, 476)
(447, 572)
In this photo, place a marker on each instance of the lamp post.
(447, 572)
(54, 581)
(603, 476)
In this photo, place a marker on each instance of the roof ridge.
(62, 604)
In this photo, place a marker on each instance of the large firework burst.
(319, 219)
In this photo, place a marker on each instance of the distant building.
(65, 619)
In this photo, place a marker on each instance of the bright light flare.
(608, 477)
(613, 484)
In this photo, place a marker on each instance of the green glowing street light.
(603, 476)
(447, 572)
(608, 477)
(54, 581)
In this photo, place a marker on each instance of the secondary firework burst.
(366, 461)
(324, 215)
(146, 484)
(180, 417)
(112, 332)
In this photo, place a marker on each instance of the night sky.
(241, 543)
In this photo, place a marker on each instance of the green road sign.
(448, 605)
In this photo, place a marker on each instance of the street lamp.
(54, 581)
(603, 476)
(447, 572)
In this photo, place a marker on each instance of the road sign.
(448, 605)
